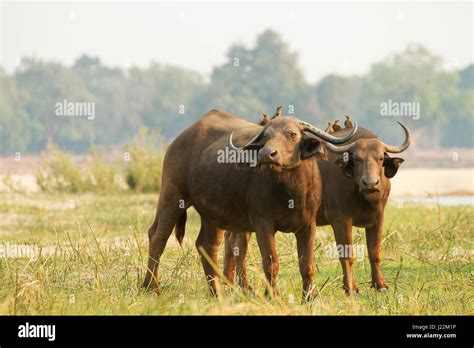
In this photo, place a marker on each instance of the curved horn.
(232, 146)
(339, 149)
(404, 146)
(326, 136)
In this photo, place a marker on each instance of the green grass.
(94, 248)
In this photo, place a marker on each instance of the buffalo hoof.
(215, 290)
(272, 293)
(381, 287)
(248, 290)
(310, 297)
(150, 289)
(354, 291)
(228, 283)
(250, 293)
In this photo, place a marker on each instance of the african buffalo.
(353, 196)
(283, 193)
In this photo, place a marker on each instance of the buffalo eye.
(356, 160)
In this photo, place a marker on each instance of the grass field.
(89, 254)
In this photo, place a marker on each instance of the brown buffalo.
(356, 187)
(240, 197)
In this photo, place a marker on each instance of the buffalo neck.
(372, 200)
(300, 179)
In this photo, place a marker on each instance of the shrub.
(59, 173)
(105, 177)
(143, 172)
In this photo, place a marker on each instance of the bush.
(105, 177)
(59, 173)
(143, 172)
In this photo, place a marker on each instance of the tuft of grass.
(104, 177)
(143, 172)
(91, 251)
(58, 173)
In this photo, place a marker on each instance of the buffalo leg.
(266, 244)
(242, 242)
(207, 243)
(166, 217)
(343, 235)
(374, 240)
(229, 258)
(236, 245)
(305, 241)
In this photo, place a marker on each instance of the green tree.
(338, 96)
(259, 79)
(14, 134)
(252, 80)
(415, 75)
(466, 78)
(163, 96)
(48, 84)
(114, 121)
(458, 131)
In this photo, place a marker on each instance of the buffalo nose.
(267, 154)
(370, 183)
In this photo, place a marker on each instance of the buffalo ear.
(312, 147)
(346, 166)
(391, 165)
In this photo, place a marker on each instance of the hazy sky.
(328, 36)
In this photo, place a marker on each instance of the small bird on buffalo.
(277, 112)
(329, 129)
(264, 120)
(348, 122)
(336, 126)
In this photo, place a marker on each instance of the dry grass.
(91, 252)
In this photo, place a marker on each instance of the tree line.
(251, 81)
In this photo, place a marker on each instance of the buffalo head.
(285, 141)
(366, 160)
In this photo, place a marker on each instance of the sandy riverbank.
(423, 182)
(408, 182)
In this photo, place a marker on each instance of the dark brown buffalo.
(239, 197)
(353, 196)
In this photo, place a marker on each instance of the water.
(441, 200)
